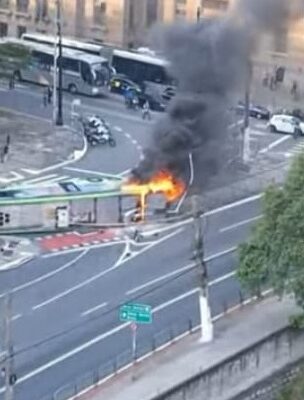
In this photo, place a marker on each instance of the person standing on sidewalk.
(146, 111)
(45, 97)
(49, 95)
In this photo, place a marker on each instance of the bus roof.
(80, 55)
(49, 39)
(141, 57)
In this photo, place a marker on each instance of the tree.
(274, 254)
(12, 58)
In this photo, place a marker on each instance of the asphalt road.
(65, 305)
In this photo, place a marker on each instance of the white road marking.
(118, 128)
(16, 316)
(48, 275)
(41, 178)
(235, 124)
(161, 278)
(235, 204)
(126, 172)
(93, 309)
(87, 171)
(220, 254)
(95, 340)
(222, 278)
(128, 135)
(241, 223)
(16, 177)
(55, 180)
(274, 144)
(134, 141)
(122, 260)
(258, 133)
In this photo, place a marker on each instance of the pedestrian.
(4, 153)
(266, 80)
(45, 98)
(49, 95)
(11, 83)
(146, 111)
(294, 89)
(8, 139)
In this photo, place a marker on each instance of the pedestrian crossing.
(295, 150)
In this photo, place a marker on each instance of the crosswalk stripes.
(297, 149)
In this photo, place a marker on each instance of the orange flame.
(162, 182)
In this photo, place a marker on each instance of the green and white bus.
(82, 73)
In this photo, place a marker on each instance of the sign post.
(136, 314)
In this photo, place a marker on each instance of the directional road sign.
(140, 313)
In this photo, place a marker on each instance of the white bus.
(141, 66)
(144, 69)
(72, 44)
(82, 73)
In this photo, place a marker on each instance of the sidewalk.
(187, 357)
(35, 144)
(15, 251)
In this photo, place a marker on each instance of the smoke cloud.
(210, 60)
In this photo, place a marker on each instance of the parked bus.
(72, 44)
(82, 73)
(144, 69)
(141, 66)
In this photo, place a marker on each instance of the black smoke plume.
(210, 60)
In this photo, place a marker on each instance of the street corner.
(59, 242)
(16, 251)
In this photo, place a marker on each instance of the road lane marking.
(234, 204)
(241, 223)
(274, 144)
(221, 254)
(122, 260)
(162, 278)
(15, 317)
(93, 309)
(222, 278)
(36, 180)
(88, 171)
(48, 275)
(96, 340)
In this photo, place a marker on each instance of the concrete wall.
(242, 371)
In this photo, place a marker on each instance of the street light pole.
(199, 256)
(59, 117)
(10, 376)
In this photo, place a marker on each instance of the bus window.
(86, 72)
(43, 60)
(70, 64)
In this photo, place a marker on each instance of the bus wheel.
(72, 88)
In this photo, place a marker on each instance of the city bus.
(142, 67)
(82, 73)
(145, 69)
(72, 44)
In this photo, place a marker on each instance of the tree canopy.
(12, 57)
(274, 254)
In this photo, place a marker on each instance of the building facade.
(122, 22)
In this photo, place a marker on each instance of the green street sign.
(140, 313)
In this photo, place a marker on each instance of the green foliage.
(274, 254)
(297, 321)
(295, 390)
(12, 57)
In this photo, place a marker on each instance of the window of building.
(42, 9)
(3, 29)
(20, 30)
(131, 14)
(152, 9)
(99, 12)
(22, 6)
(281, 41)
(4, 3)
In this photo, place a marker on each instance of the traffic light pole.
(59, 117)
(246, 127)
(199, 257)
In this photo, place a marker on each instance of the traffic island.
(15, 251)
(33, 144)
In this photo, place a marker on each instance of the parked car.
(286, 124)
(156, 102)
(255, 111)
(119, 84)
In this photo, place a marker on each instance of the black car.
(119, 84)
(156, 104)
(255, 111)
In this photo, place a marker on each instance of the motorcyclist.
(131, 97)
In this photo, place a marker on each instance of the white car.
(286, 124)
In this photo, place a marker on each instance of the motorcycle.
(98, 131)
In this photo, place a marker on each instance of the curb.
(17, 263)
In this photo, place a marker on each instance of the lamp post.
(59, 114)
(246, 127)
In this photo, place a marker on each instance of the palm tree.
(12, 58)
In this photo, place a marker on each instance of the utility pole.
(10, 376)
(55, 70)
(246, 127)
(199, 257)
(59, 116)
